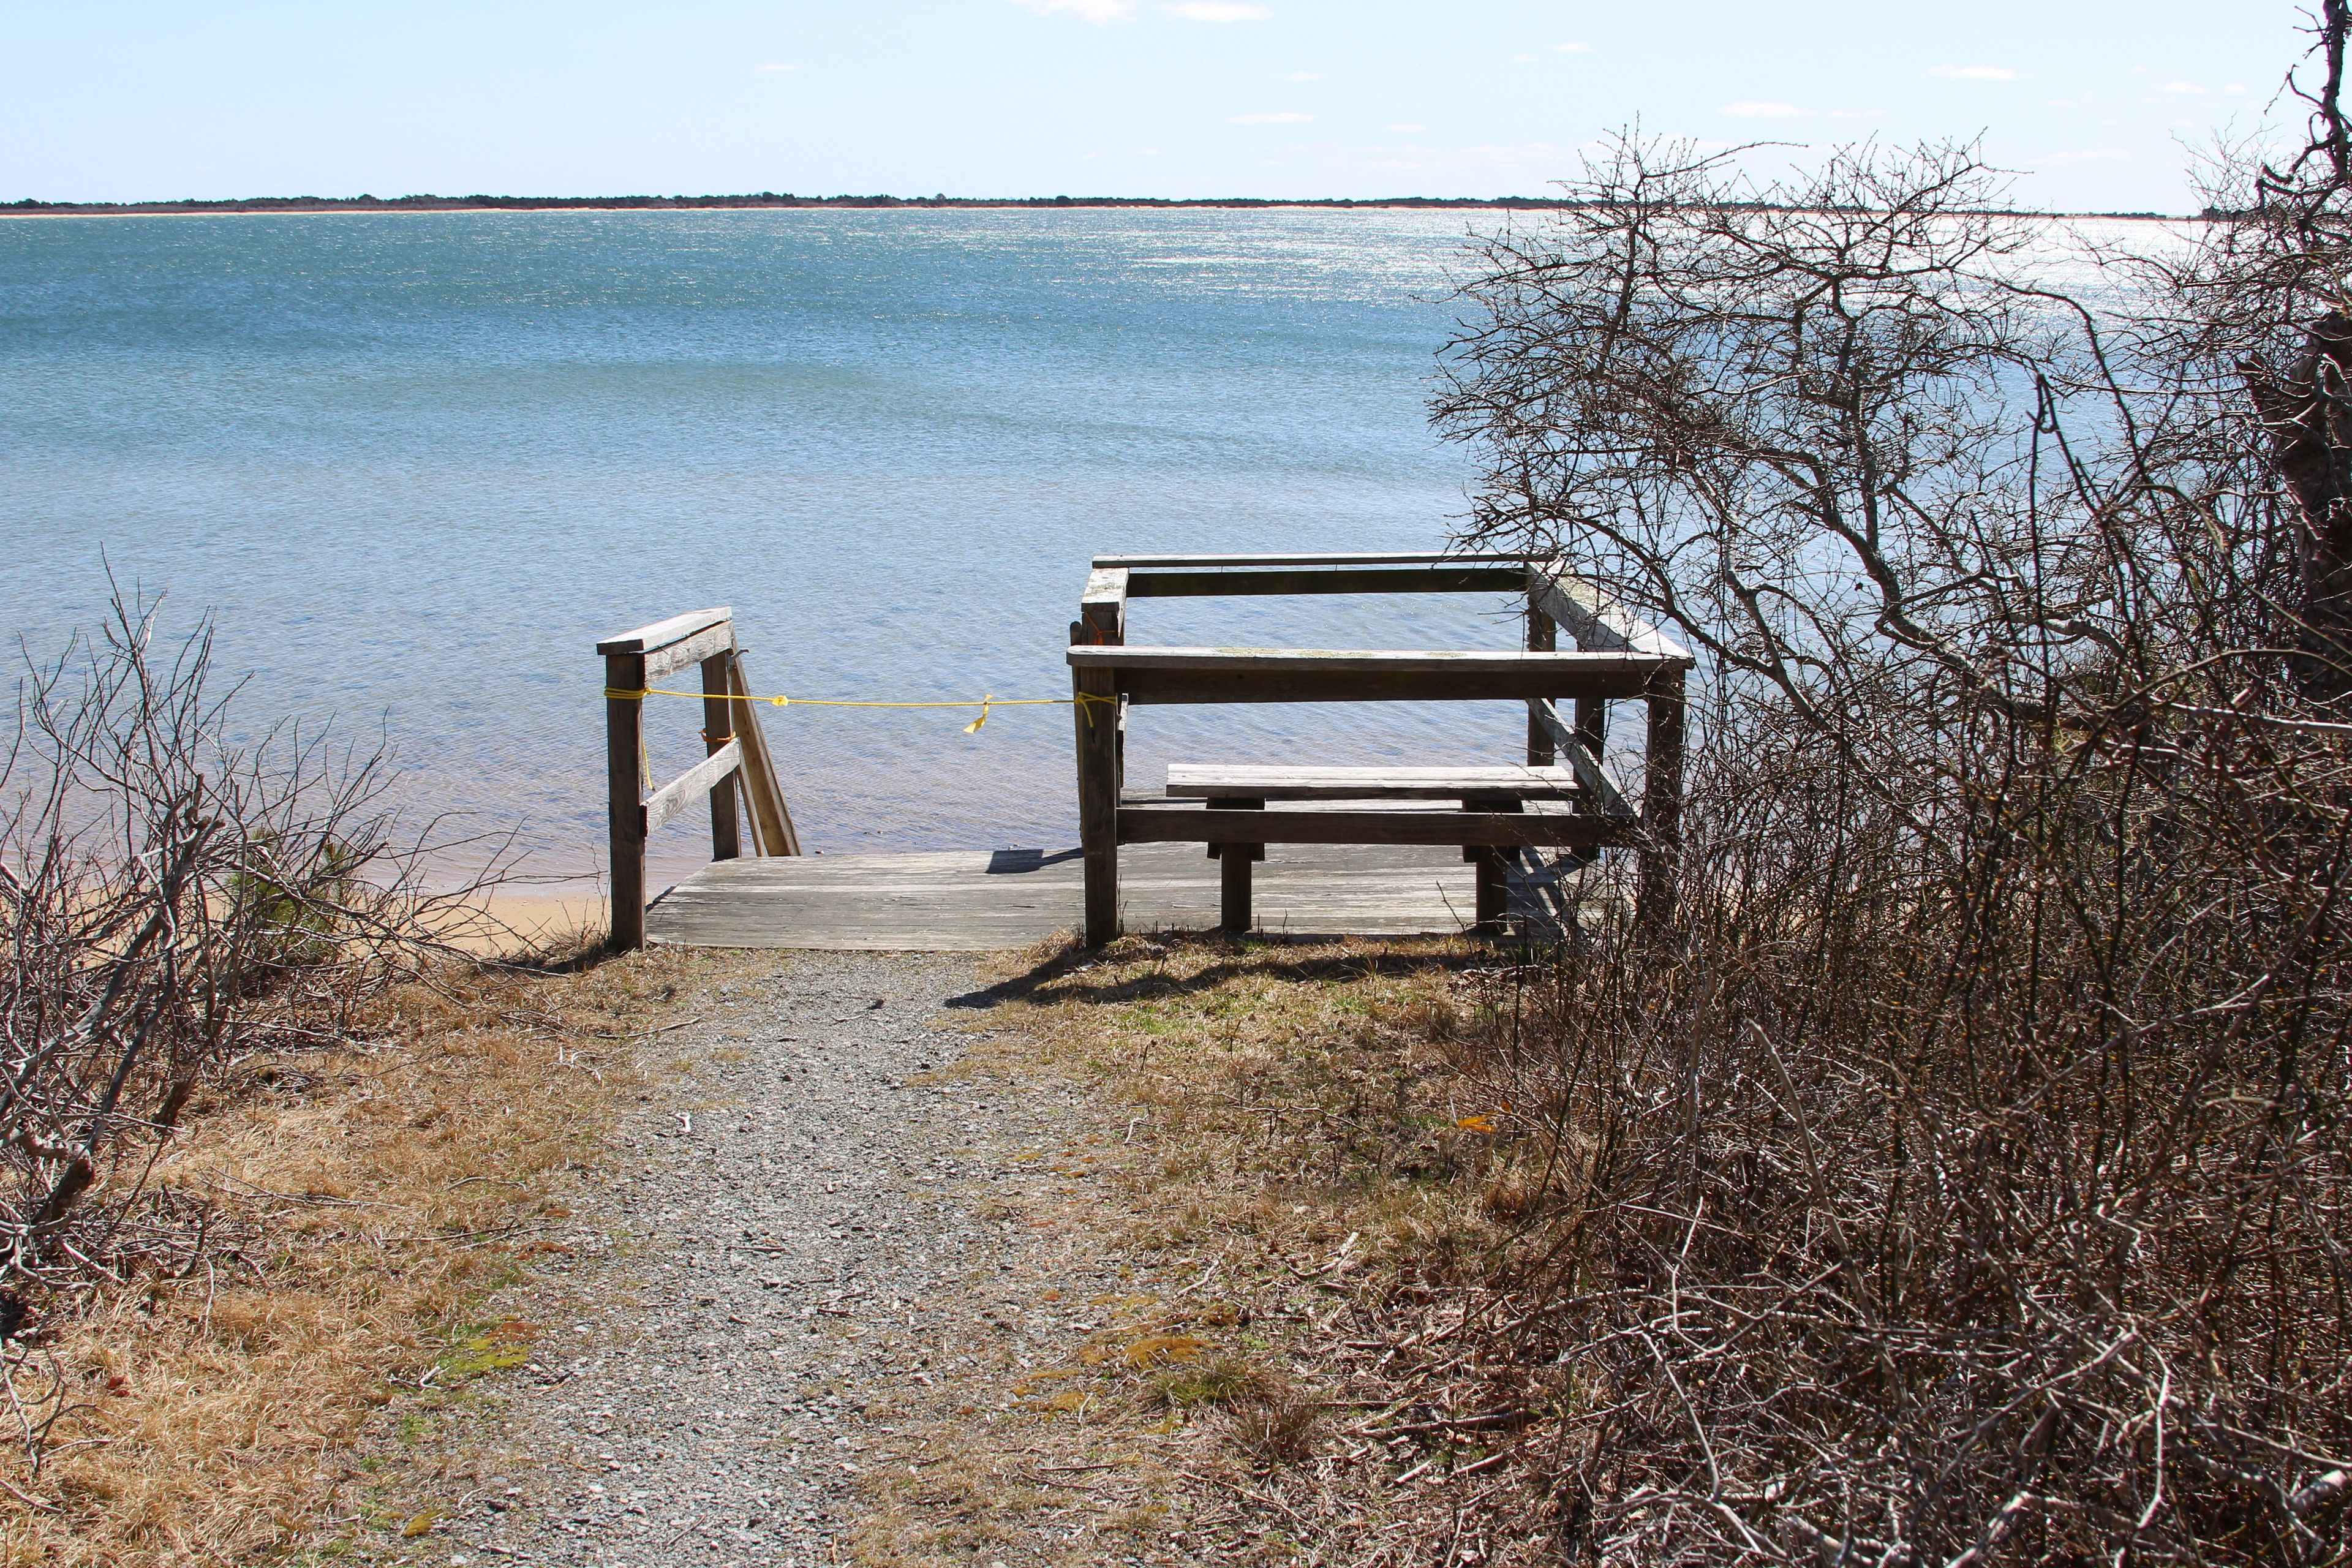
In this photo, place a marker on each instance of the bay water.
(416, 465)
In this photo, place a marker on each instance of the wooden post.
(624, 740)
(1097, 711)
(1233, 862)
(1492, 870)
(717, 729)
(1543, 636)
(771, 821)
(1662, 803)
(1593, 725)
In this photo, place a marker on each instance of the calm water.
(417, 464)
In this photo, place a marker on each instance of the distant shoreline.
(765, 200)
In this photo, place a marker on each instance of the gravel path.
(787, 1216)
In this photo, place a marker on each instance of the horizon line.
(34, 207)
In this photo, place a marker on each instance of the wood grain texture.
(1375, 558)
(663, 806)
(662, 634)
(1208, 825)
(625, 794)
(1589, 770)
(1234, 861)
(972, 900)
(762, 789)
(1172, 583)
(1102, 606)
(717, 732)
(1543, 636)
(1164, 675)
(706, 643)
(1219, 780)
(1594, 617)
(1096, 723)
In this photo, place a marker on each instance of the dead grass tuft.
(362, 1200)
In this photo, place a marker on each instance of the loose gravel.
(789, 1218)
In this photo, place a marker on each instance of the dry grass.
(1286, 1169)
(362, 1201)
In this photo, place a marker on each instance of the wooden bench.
(1478, 792)
(1616, 657)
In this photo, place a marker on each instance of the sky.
(2093, 103)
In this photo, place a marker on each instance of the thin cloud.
(1523, 59)
(1973, 73)
(1409, 130)
(1100, 13)
(778, 66)
(1217, 11)
(1303, 76)
(1574, 48)
(1279, 117)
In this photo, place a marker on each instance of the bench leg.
(1233, 889)
(1234, 878)
(1493, 867)
(1493, 876)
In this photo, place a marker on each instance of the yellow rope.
(1084, 699)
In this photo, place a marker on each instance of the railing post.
(1097, 707)
(624, 735)
(1662, 802)
(717, 729)
(1543, 636)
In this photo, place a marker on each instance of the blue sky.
(2089, 99)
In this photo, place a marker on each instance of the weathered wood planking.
(1502, 828)
(1594, 617)
(1102, 608)
(970, 900)
(1585, 763)
(1229, 581)
(1215, 781)
(675, 797)
(1151, 675)
(1373, 558)
(670, 645)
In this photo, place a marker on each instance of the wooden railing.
(1615, 657)
(737, 762)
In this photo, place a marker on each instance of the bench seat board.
(1209, 824)
(1219, 781)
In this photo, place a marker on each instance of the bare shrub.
(1967, 1178)
(170, 899)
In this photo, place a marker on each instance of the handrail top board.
(1593, 616)
(663, 634)
(1243, 563)
(1368, 660)
(1220, 781)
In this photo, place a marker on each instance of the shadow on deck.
(975, 900)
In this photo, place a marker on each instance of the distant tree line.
(481, 203)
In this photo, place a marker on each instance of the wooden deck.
(974, 900)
